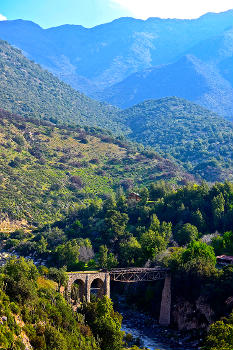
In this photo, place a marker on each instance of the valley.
(116, 154)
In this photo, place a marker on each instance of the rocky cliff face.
(190, 316)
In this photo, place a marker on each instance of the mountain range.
(106, 61)
(198, 140)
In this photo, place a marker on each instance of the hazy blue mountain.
(198, 139)
(204, 75)
(206, 84)
(215, 49)
(96, 58)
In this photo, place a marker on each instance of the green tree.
(105, 323)
(198, 258)
(106, 260)
(156, 238)
(220, 336)
(185, 234)
(122, 204)
(103, 257)
(54, 339)
(130, 252)
(41, 246)
(198, 220)
(67, 254)
(58, 275)
(115, 224)
(144, 193)
(21, 279)
(218, 207)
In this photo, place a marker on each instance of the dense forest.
(181, 228)
(127, 233)
(195, 137)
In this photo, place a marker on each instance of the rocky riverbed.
(150, 334)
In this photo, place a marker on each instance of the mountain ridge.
(188, 78)
(29, 90)
(108, 53)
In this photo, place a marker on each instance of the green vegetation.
(121, 232)
(37, 314)
(105, 323)
(33, 312)
(182, 227)
(31, 91)
(220, 335)
(64, 201)
(195, 137)
(46, 170)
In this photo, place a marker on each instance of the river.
(151, 335)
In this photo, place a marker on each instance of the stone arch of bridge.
(98, 281)
(97, 287)
(78, 290)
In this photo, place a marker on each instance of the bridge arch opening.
(97, 288)
(78, 291)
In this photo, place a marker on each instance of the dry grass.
(45, 283)
(7, 226)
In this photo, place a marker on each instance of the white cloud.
(173, 8)
(2, 18)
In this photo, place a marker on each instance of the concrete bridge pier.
(165, 308)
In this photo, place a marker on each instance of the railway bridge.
(99, 281)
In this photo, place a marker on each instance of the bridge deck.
(132, 275)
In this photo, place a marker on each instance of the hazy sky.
(173, 8)
(89, 13)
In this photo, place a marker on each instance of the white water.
(150, 343)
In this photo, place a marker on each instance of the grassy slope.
(197, 138)
(46, 170)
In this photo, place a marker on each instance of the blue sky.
(89, 13)
(49, 13)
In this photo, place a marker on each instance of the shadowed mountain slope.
(29, 90)
(197, 138)
(204, 75)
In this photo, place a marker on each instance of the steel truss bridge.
(132, 275)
